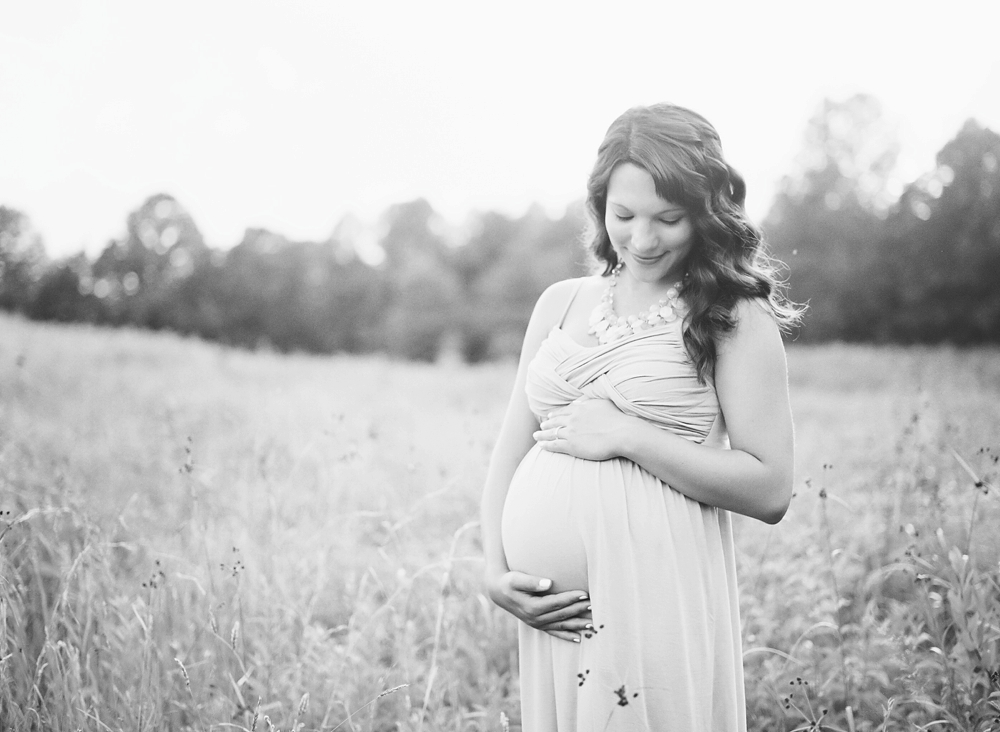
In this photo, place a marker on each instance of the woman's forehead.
(632, 184)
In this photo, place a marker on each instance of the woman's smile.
(645, 258)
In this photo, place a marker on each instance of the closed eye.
(629, 217)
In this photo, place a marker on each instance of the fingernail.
(584, 597)
(544, 584)
(588, 607)
(576, 640)
(588, 626)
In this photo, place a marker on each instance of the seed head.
(392, 690)
(184, 673)
(256, 716)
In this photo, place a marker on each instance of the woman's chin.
(652, 272)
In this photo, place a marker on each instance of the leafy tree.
(139, 277)
(826, 219)
(942, 248)
(535, 252)
(65, 293)
(22, 258)
(297, 295)
(476, 262)
(422, 288)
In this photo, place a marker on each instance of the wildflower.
(623, 696)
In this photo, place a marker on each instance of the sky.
(289, 114)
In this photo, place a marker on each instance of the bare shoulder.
(548, 310)
(751, 378)
(552, 302)
(754, 341)
(754, 321)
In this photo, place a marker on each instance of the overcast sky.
(289, 114)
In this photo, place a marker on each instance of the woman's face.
(653, 237)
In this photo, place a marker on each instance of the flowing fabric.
(659, 567)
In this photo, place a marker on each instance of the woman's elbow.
(774, 514)
(776, 501)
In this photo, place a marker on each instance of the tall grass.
(869, 581)
(199, 538)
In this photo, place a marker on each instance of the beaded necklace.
(608, 326)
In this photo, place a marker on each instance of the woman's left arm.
(753, 478)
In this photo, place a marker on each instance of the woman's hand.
(564, 614)
(591, 429)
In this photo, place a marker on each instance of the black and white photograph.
(528, 367)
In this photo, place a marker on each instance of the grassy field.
(199, 538)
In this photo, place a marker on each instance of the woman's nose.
(642, 238)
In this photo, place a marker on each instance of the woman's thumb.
(529, 583)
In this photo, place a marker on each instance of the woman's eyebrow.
(668, 210)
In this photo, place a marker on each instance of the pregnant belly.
(542, 526)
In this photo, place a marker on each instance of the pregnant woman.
(650, 402)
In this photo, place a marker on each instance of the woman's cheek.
(616, 231)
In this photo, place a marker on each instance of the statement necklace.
(608, 326)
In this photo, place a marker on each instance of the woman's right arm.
(564, 615)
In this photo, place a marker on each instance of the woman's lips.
(646, 260)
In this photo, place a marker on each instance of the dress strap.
(569, 303)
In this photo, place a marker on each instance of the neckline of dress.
(610, 344)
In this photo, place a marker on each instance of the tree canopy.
(872, 266)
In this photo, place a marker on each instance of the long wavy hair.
(682, 152)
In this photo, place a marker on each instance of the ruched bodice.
(647, 375)
(659, 567)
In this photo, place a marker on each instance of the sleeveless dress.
(659, 567)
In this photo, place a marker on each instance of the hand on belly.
(533, 600)
(541, 538)
(539, 528)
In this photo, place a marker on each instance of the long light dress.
(659, 567)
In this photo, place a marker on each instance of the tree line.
(914, 267)
(427, 297)
(918, 268)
